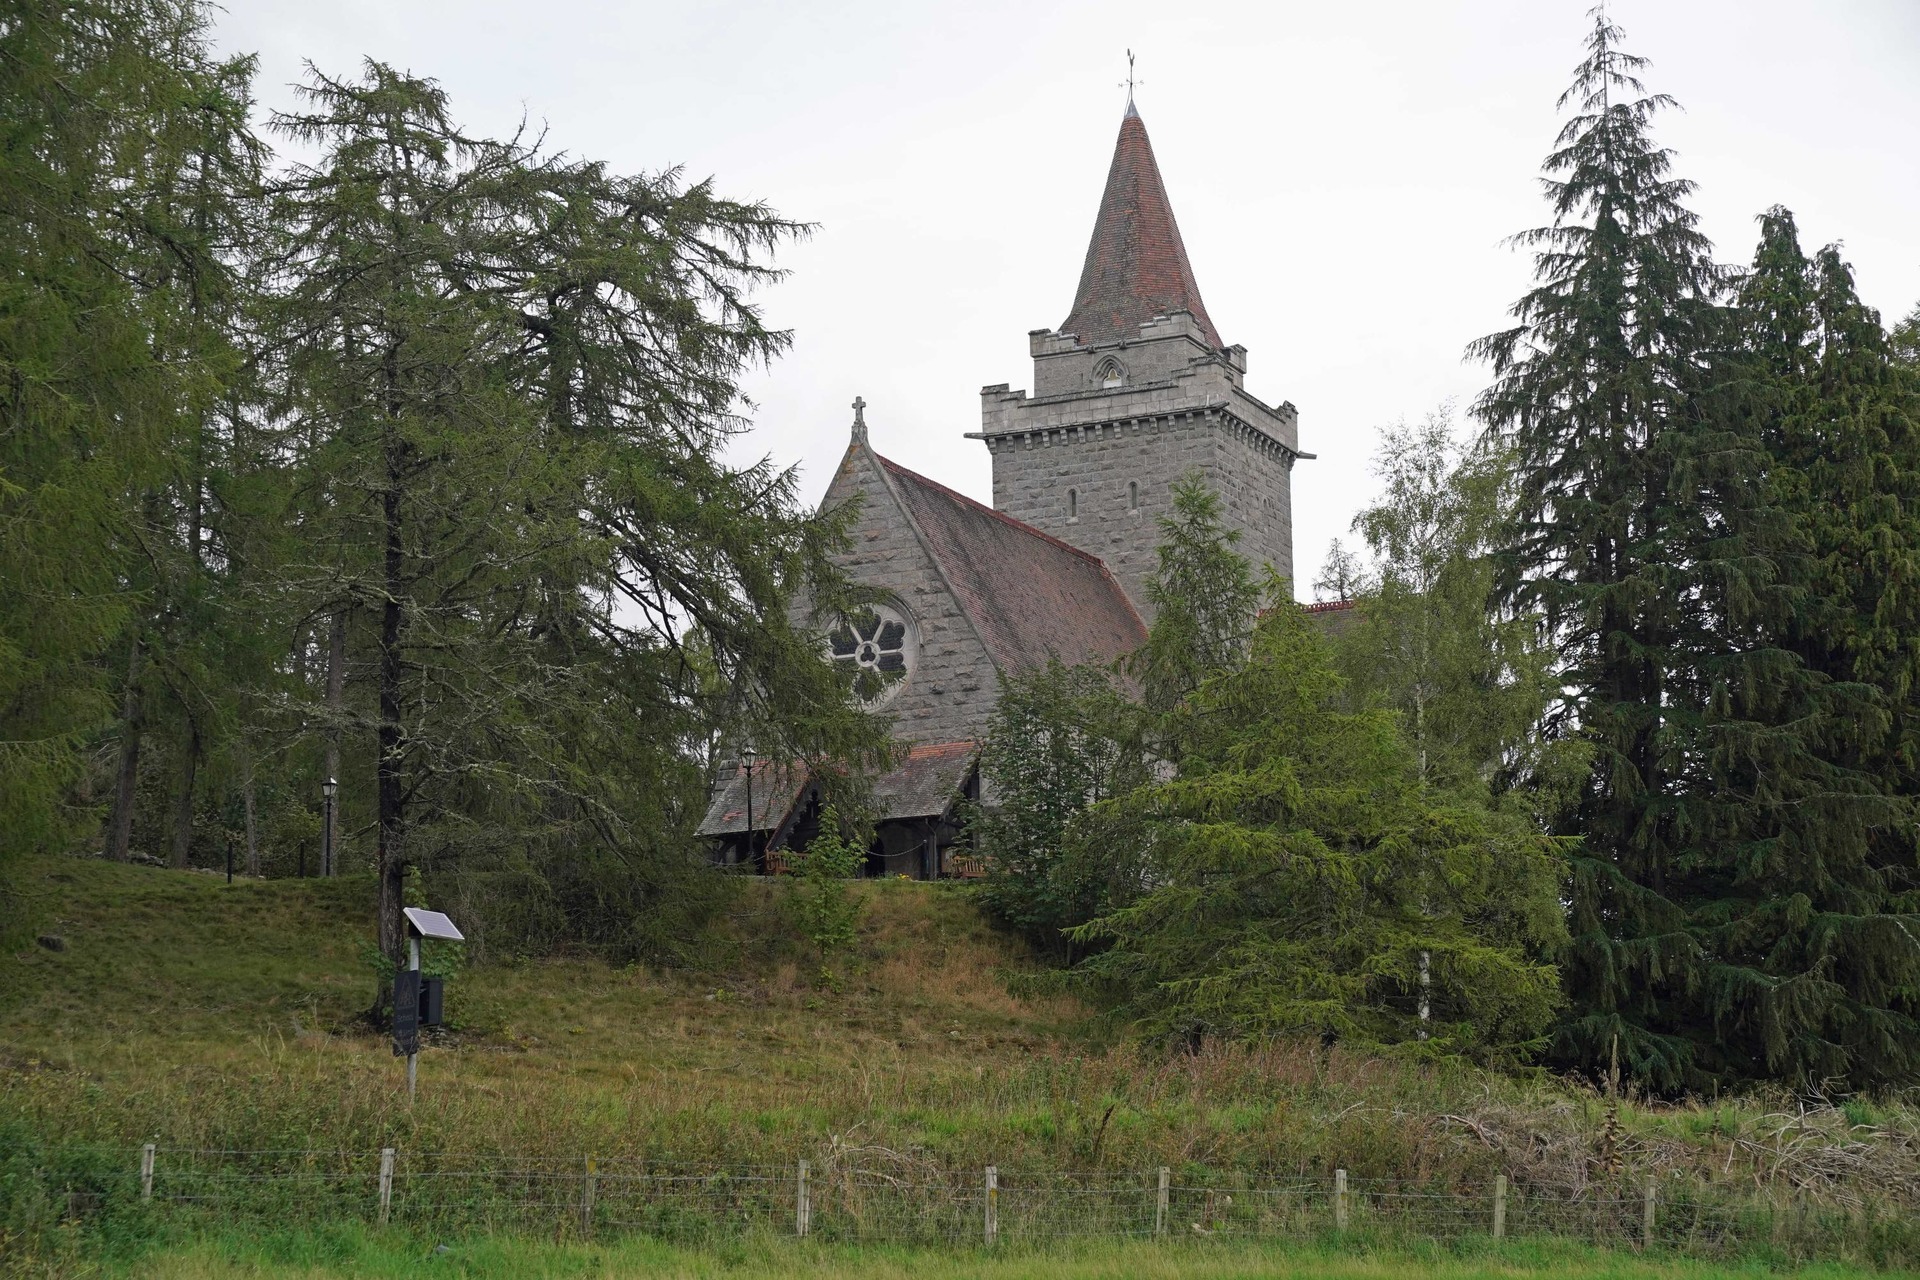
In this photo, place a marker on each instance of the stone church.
(1134, 390)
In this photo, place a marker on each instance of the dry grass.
(192, 1014)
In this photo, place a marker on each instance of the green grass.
(190, 1013)
(369, 1256)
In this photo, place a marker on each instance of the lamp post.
(327, 790)
(748, 755)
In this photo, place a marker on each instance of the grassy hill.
(183, 1011)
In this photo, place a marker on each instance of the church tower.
(1133, 391)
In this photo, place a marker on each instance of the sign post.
(421, 923)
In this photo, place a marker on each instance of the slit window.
(1073, 504)
(1133, 495)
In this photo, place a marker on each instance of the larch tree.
(113, 350)
(1204, 594)
(509, 378)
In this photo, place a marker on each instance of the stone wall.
(1066, 459)
(1077, 484)
(952, 686)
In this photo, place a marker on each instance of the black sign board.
(406, 1012)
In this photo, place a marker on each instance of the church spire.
(1136, 264)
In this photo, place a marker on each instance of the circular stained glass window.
(877, 647)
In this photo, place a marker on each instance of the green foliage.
(460, 402)
(94, 97)
(829, 915)
(512, 376)
(1469, 686)
(1203, 595)
(1296, 871)
(1726, 919)
(1065, 738)
(1053, 747)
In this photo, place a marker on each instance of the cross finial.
(860, 419)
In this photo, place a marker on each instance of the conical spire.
(1136, 265)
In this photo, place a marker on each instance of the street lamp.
(748, 754)
(327, 790)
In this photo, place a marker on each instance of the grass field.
(344, 1254)
(183, 1011)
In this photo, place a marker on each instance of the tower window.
(1109, 373)
(1073, 504)
(1133, 495)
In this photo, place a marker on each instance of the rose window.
(876, 648)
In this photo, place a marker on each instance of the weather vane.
(1128, 86)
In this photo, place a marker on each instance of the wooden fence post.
(1160, 1204)
(1339, 1199)
(802, 1204)
(1500, 1207)
(1646, 1218)
(993, 1204)
(146, 1172)
(386, 1184)
(586, 1200)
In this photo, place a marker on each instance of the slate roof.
(1136, 262)
(777, 787)
(1029, 595)
(927, 782)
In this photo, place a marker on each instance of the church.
(1134, 390)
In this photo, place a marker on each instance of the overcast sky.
(1343, 174)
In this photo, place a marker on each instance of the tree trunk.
(127, 778)
(183, 807)
(391, 799)
(253, 826)
(336, 688)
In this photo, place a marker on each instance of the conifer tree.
(1203, 595)
(1299, 878)
(509, 378)
(104, 359)
(1645, 534)
(1831, 899)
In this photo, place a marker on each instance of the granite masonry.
(1132, 392)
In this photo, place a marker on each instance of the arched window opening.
(1133, 495)
(1073, 504)
(1108, 373)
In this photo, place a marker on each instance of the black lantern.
(327, 792)
(748, 754)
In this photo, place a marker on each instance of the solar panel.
(432, 924)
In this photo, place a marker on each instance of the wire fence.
(842, 1199)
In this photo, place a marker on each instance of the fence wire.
(843, 1200)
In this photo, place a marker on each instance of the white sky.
(1343, 173)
